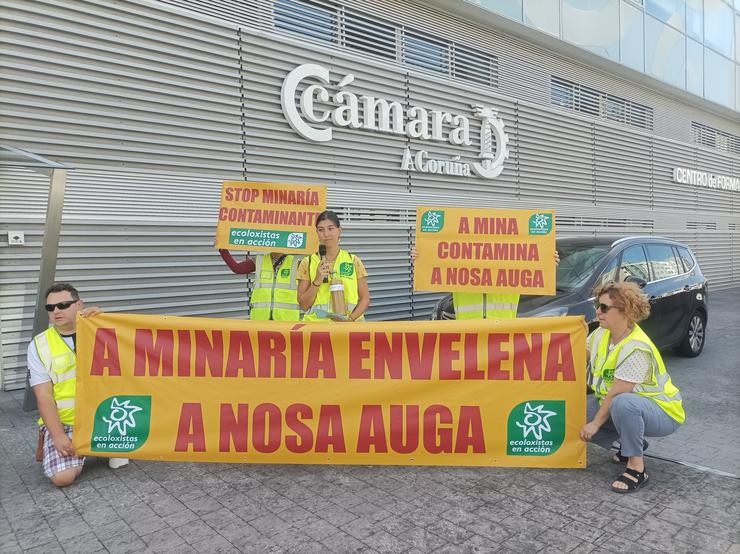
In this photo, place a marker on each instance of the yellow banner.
(480, 393)
(269, 217)
(485, 250)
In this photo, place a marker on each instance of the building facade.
(392, 104)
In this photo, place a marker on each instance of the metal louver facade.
(155, 103)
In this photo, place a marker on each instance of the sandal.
(637, 480)
(619, 459)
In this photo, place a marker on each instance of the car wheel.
(692, 342)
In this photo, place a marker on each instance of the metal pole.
(49, 252)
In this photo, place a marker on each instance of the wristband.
(315, 285)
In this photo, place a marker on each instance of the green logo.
(540, 224)
(285, 272)
(121, 424)
(432, 221)
(266, 237)
(536, 428)
(346, 269)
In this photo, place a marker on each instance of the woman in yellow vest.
(633, 394)
(316, 274)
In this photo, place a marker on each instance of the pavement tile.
(118, 527)
(163, 540)
(147, 526)
(422, 540)
(72, 530)
(343, 543)
(194, 531)
(520, 525)
(555, 538)
(166, 506)
(49, 547)
(254, 543)
(728, 517)
(336, 515)
(270, 525)
(584, 531)
(396, 525)
(180, 518)
(124, 542)
(716, 529)
(360, 528)
(521, 543)
(477, 544)
(203, 505)
(703, 541)
(488, 529)
(219, 519)
(320, 530)
(617, 544)
(449, 531)
(382, 541)
(667, 543)
(138, 512)
(548, 517)
(215, 544)
(87, 543)
(298, 516)
(29, 538)
(99, 517)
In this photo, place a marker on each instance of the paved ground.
(154, 506)
(710, 385)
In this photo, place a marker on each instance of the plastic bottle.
(338, 304)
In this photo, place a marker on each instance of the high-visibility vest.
(344, 268)
(60, 362)
(275, 293)
(476, 305)
(658, 386)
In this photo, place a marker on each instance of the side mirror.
(637, 280)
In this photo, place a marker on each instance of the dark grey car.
(666, 269)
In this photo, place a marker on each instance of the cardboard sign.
(485, 250)
(269, 217)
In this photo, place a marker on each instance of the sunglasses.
(61, 305)
(603, 308)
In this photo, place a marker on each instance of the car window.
(662, 261)
(634, 264)
(611, 273)
(577, 264)
(685, 256)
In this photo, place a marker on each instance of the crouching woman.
(633, 394)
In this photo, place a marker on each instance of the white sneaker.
(117, 463)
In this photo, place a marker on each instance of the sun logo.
(121, 416)
(536, 420)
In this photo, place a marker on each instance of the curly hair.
(628, 298)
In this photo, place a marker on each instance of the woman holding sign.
(323, 277)
(633, 394)
(274, 290)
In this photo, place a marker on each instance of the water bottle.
(338, 305)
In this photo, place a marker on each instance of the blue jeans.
(632, 417)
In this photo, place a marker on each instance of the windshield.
(577, 264)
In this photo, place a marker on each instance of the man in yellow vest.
(52, 363)
(274, 295)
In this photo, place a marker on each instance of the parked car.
(666, 269)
